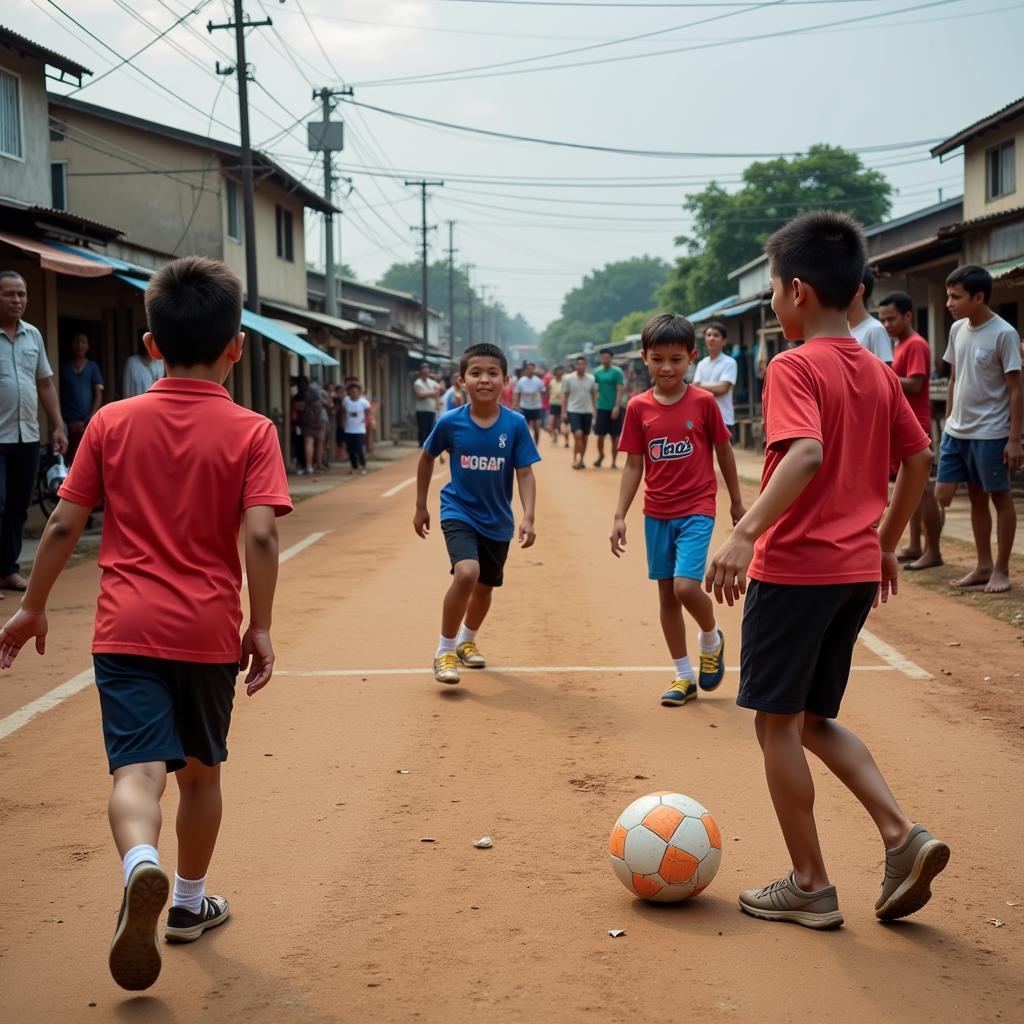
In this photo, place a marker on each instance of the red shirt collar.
(189, 386)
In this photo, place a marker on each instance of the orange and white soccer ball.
(665, 847)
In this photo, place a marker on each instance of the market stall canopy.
(57, 260)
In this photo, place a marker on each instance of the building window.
(234, 221)
(59, 184)
(285, 233)
(10, 115)
(1000, 171)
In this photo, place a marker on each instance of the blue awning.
(707, 311)
(269, 329)
(732, 311)
(97, 257)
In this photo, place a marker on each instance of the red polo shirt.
(177, 467)
(913, 358)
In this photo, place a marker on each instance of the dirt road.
(342, 913)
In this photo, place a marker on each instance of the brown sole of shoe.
(134, 952)
(916, 889)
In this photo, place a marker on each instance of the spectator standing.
(717, 373)
(312, 419)
(81, 391)
(611, 383)
(356, 412)
(427, 391)
(868, 331)
(26, 379)
(141, 372)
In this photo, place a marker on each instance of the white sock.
(708, 641)
(465, 635)
(138, 855)
(445, 645)
(683, 669)
(189, 893)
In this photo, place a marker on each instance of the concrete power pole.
(469, 306)
(424, 230)
(252, 290)
(451, 290)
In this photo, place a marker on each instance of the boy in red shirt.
(912, 363)
(834, 416)
(180, 468)
(668, 436)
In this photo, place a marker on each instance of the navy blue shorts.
(466, 544)
(581, 422)
(978, 462)
(532, 414)
(157, 710)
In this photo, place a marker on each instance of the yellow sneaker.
(681, 691)
(470, 656)
(446, 667)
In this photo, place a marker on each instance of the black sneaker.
(599, 462)
(185, 926)
(134, 953)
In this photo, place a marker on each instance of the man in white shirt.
(718, 373)
(868, 331)
(141, 372)
(427, 392)
(579, 391)
(530, 399)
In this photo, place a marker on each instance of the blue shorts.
(677, 548)
(532, 414)
(157, 710)
(978, 462)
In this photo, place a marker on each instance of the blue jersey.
(484, 461)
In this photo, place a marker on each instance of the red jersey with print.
(178, 467)
(913, 358)
(838, 393)
(677, 442)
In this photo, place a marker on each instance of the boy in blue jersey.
(489, 444)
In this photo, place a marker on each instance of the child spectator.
(611, 383)
(182, 468)
(356, 411)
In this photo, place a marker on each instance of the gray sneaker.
(909, 870)
(784, 900)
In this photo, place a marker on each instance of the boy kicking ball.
(834, 417)
(181, 469)
(489, 445)
(668, 436)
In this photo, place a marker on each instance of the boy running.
(530, 399)
(717, 373)
(981, 445)
(489, 444)
(668, 437)
(181, 468)
(610, 386)
(834, 417)
(579, 389)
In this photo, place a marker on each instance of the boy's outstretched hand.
(421, 522)
(727, 574)
(256, 646)
(618, 537)
(527, 534)
(890, 585)
(20, 628)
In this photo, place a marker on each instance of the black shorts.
(533, 415)
(466, 544)
(555, 409)
(580, 421)
(605, 424)
(797, 645)
(157, 710)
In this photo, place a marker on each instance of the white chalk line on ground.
(405, 483)
(327, 673)
(16, 719)
(889, 654)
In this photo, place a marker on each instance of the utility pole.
(451, 290)
(483, 313)
(328, 137)
(423, 185)
(252, 291)
(469, 306)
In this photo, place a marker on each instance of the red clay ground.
(342, 914)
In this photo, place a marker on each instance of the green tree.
(631, 323)
(730, 228)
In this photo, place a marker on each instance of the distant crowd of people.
(329, 421)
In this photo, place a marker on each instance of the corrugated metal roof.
(51, 57)
(1011, 110)
(705, 313)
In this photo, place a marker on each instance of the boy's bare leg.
(792, 792)
(1006, 529)
(913, 551)
(931, 526)
(672, 626)
(691, 596)
(850, 761)
(308, 445)
(456, 601)
(134, 806)
(479, 606)
(199, 815)
(981, 525)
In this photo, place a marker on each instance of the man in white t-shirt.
(718, 373)
(141, 372)
(868, 331)
(579, 392)
(427, 392)
(529, 394)
(356, 417)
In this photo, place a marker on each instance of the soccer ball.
(665, 847)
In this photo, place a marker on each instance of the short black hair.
(607, 352)
(901, 300)
(974, 279)
(581, 359)
(665, 329)
(717, 325)
(868, 280)
(824, 248)
(484, 350)
(194, 309)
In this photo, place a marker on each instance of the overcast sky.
(895, 72)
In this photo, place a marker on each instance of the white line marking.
(519, 670)
(898, 661)
(291, 552)
(399, 487)
(14, 721)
